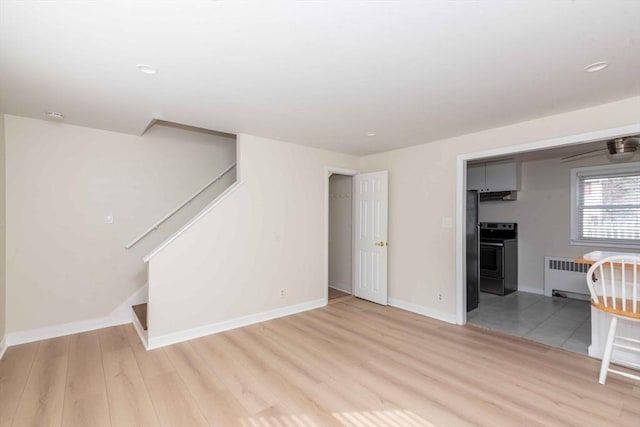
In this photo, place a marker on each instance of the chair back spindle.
(613, 285)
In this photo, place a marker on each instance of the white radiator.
(565, 277)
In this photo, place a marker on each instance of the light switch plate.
(447, 222)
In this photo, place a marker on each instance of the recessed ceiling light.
(596, 66)
(55, 115)
(147, 69)
(371, 133)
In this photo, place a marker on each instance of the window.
(606, 208)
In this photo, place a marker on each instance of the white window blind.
(608, 206)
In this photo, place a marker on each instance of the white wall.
(340, 254)
(267, 235)
(64, 264)
(422, 198)
(543, 214)
(3, 183)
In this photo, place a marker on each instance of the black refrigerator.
(473, 250)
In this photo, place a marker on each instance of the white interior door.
(370, 193)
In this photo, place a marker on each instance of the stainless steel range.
(498, 257)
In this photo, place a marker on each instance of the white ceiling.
(320, 73)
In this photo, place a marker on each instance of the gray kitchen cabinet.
(490, 177)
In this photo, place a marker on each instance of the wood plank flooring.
(352, 363)
(336, 295)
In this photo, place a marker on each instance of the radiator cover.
(563, 275)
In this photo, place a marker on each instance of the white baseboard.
(3, 347)
(529, 290)
(414, 308)
(201, 331)
(345, 288)
(119, 316)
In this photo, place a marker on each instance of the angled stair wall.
(227, 269)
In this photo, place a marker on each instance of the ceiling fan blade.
(584, 155)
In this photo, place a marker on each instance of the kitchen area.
(534, 224)
(498, 295)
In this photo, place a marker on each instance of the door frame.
(328, 171)
(461, 191)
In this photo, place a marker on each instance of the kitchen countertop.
(595, 256)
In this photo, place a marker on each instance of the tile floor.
(559, 322)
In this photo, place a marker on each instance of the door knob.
(380, 243)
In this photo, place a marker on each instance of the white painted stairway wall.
(264, 236)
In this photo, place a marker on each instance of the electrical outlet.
(282, 292)
(440, 297)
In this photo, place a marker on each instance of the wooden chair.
(614, 284)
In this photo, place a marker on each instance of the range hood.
(498, 196)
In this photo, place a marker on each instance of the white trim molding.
(340, 171)
(177, 209)
(347, 288)
(424, 311)
(226, 193)
(3, 347)
(119, 316)
(226, 325)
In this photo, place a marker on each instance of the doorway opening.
(340, 274)
(540, 207)
(363, 246)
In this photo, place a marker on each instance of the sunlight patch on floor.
(279, 421)
(387, 418)
(391, 418)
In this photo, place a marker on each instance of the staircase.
(228, 266)
(140, 310)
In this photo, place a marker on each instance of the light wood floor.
(336, 294)
(351, 363)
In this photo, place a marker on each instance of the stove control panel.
(498, 225)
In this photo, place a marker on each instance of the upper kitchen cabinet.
(490, 177)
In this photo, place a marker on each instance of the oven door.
(492, 260)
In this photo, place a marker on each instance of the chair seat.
(618, 310)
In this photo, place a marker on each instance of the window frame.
(575, 200)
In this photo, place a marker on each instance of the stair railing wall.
(188, 200)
